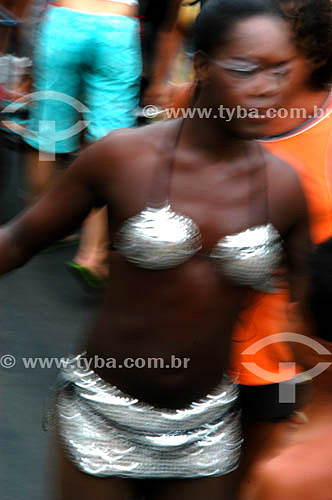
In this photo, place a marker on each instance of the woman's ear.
(201, 68)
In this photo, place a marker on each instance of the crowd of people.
(216, 229)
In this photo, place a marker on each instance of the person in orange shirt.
(300, 133)
(308, 148)
(302, 465)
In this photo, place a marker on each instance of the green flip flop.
(86, 277)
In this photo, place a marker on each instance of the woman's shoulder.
(279, 169)
(284, 187)
(123, 158)
(282, 176)
(295, 472)
(135, 141)
(127, 148)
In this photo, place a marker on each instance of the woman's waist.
(100, 7)
(125, 338)
(163, 383)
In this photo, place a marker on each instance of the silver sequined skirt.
(108, 433)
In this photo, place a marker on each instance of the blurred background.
(43, 311)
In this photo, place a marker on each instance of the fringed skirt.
(108, 433)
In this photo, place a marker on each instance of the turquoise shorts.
(87, 70)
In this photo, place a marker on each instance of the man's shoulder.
(299, 471)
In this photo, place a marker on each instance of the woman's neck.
(208, 135)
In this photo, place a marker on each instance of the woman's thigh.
(76, 485)
(216, 488)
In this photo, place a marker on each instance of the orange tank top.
(309, 150)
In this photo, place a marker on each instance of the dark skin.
(223, 182)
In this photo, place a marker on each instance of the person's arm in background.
(298, 247)
(25, 38)
(16, 7)
(167, 45)
(57, 213)
(32, 16)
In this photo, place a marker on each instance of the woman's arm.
(298, 246)
(288, 206)
(56, 214)
(167, 43)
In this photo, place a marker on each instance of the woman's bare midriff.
(188, 311)
(185, 314)
(100, 7)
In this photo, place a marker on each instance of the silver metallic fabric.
(108, 433)
(248, 258)
(161, 239)
(158, 238)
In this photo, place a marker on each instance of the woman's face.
(252, 75)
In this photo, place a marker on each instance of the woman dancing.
(201, 218)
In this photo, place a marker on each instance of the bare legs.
(75, 485)
(216, 488)
(39, 173)
(93, 251)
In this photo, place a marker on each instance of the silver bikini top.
(159, 238)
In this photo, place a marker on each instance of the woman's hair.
(310, 22)
(216, 19)
(320, 296)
